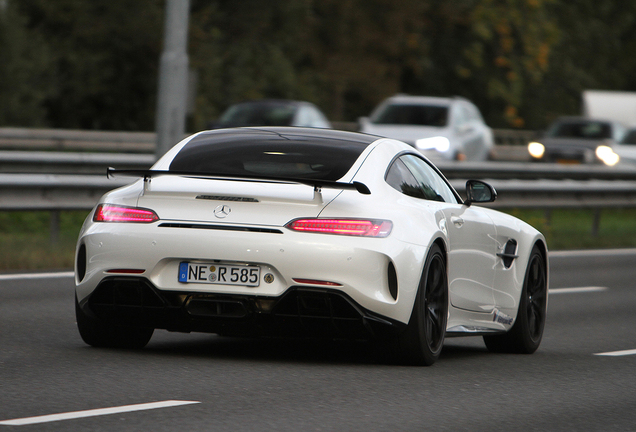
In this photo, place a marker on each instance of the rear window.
(630, 138)
(408, 114)
(585, 130)
(258, 153)
(259, 114)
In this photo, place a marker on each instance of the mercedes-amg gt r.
(305, 232)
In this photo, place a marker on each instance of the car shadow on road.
(292, 350)
(265, 349)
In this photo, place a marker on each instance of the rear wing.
(317, 184)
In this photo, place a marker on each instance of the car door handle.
(457, 221)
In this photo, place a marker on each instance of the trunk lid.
(184, 199)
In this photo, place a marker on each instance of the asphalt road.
(245, 385)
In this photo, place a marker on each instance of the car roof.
(425, 100)
(581, 119)
(266, 102)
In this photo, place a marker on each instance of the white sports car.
(307, 232)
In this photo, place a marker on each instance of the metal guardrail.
(54, 192)
(546, 194)
(16, 161)
(80, 192)
(80, 140)
(50, 189)
(34, 180)
(76, 140)
(535, 171)
(96, 163)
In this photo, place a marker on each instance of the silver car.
(441, 128)
(272, 112)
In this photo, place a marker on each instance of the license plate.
(222, 274)
(569, 161)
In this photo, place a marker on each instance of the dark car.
(578, 140)
(626, 148)
(270, 112)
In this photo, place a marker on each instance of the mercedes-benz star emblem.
(222, 211)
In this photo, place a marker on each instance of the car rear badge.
(222, 211)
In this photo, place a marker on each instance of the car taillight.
(114, 213)
(351, 227)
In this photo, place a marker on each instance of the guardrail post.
(55, 227)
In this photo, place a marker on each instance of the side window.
(469, 112)
(414, 177)
(619, 132)
(458, 114)
(320, 120)
(433, 185)
(303, 117)
(400, 178)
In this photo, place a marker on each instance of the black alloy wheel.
(525, 335)
(423, 339)
(536, 298)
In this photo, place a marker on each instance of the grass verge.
(25, 237)
(26, 244)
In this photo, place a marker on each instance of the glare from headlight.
(607, 155)
(536, 149)
(439, 143)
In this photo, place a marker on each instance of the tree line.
(94, 64)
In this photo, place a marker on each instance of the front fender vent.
(509, 253)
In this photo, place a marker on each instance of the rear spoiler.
(315, 183)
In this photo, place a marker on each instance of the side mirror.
(479, 192)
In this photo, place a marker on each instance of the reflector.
(316, 282)
(126, 271)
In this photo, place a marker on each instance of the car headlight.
(439, 143)
(536, 149)
(607, 155)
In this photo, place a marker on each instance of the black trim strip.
(226, 198)
(220, 227)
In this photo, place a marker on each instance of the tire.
(525, 335)
(98, 333)
(422, 341)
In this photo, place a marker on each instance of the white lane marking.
(36, 275)
(95, 412)
(576, 290)
(592, 252)
(618, 353)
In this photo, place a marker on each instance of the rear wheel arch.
(543, 248)
(422, 341)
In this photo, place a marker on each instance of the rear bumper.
(361, 268)
(299, 312)
(568, 154)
